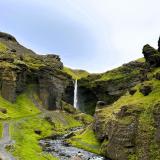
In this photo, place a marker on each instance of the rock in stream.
(60, 149)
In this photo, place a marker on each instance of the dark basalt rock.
(38, 132)
(120, 133)
(157, 75)
(101, 104)
(91, 89)
(132, 91)
(13, 50)
(21, 67)
(145, 89)
(3, 110)
(7, 59)
(151, 55)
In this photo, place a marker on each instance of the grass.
(75, 74)
(27, 147)
(141, 60)
(146, 128)
(118, 73)
(22, 131)
(62, 121)
(86, 140)
(21, 108)
(3, 47)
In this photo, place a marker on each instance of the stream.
(62, 150)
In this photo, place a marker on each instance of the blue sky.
(95, 35)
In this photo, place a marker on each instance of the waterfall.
(75, 94)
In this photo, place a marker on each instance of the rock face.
(129, 129)
(94, 88)
(21, 67)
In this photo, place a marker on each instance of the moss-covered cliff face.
(129, 128)
(20, 66)
(110, 86)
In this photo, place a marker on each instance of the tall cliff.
(128, 124)
(20, 67)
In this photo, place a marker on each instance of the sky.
(95, 35)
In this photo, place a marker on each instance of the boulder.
(132, 91)
(3, 110)
(151, 55)
(13, 50)
(145, 89)
(38, 132)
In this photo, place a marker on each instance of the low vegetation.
(76, 74)
(86, 140)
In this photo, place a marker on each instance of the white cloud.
(120, 27)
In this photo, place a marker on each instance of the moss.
(85, 118)
(22, 107)
(145, 142)
(133, 157)
(62, 121)
(3, 47)
(86, 140)
(27, 141)
(68, 107)
(141, 60)
(119, 73)
(75, 74)
(26, 146)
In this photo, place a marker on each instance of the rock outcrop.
(21, 67)
(110, 88)
(151, 55)
(129, 128)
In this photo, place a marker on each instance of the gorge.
(54, 112)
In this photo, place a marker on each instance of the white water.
(75, 95)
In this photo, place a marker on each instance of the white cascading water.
(75, 94)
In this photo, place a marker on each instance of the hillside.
(118, 116)
(127, 104)
(36, 98)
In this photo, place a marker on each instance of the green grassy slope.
(146, 122)
(86, 140)
(24, 118)
(76, 74)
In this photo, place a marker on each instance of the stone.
(101, 103)
(151, 55)
(38, 132)
(145, 89)
(132, 91)
(13, 50)
(7, 59)
(3, 110)
(157, 75)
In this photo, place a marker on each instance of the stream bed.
(62, 150)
